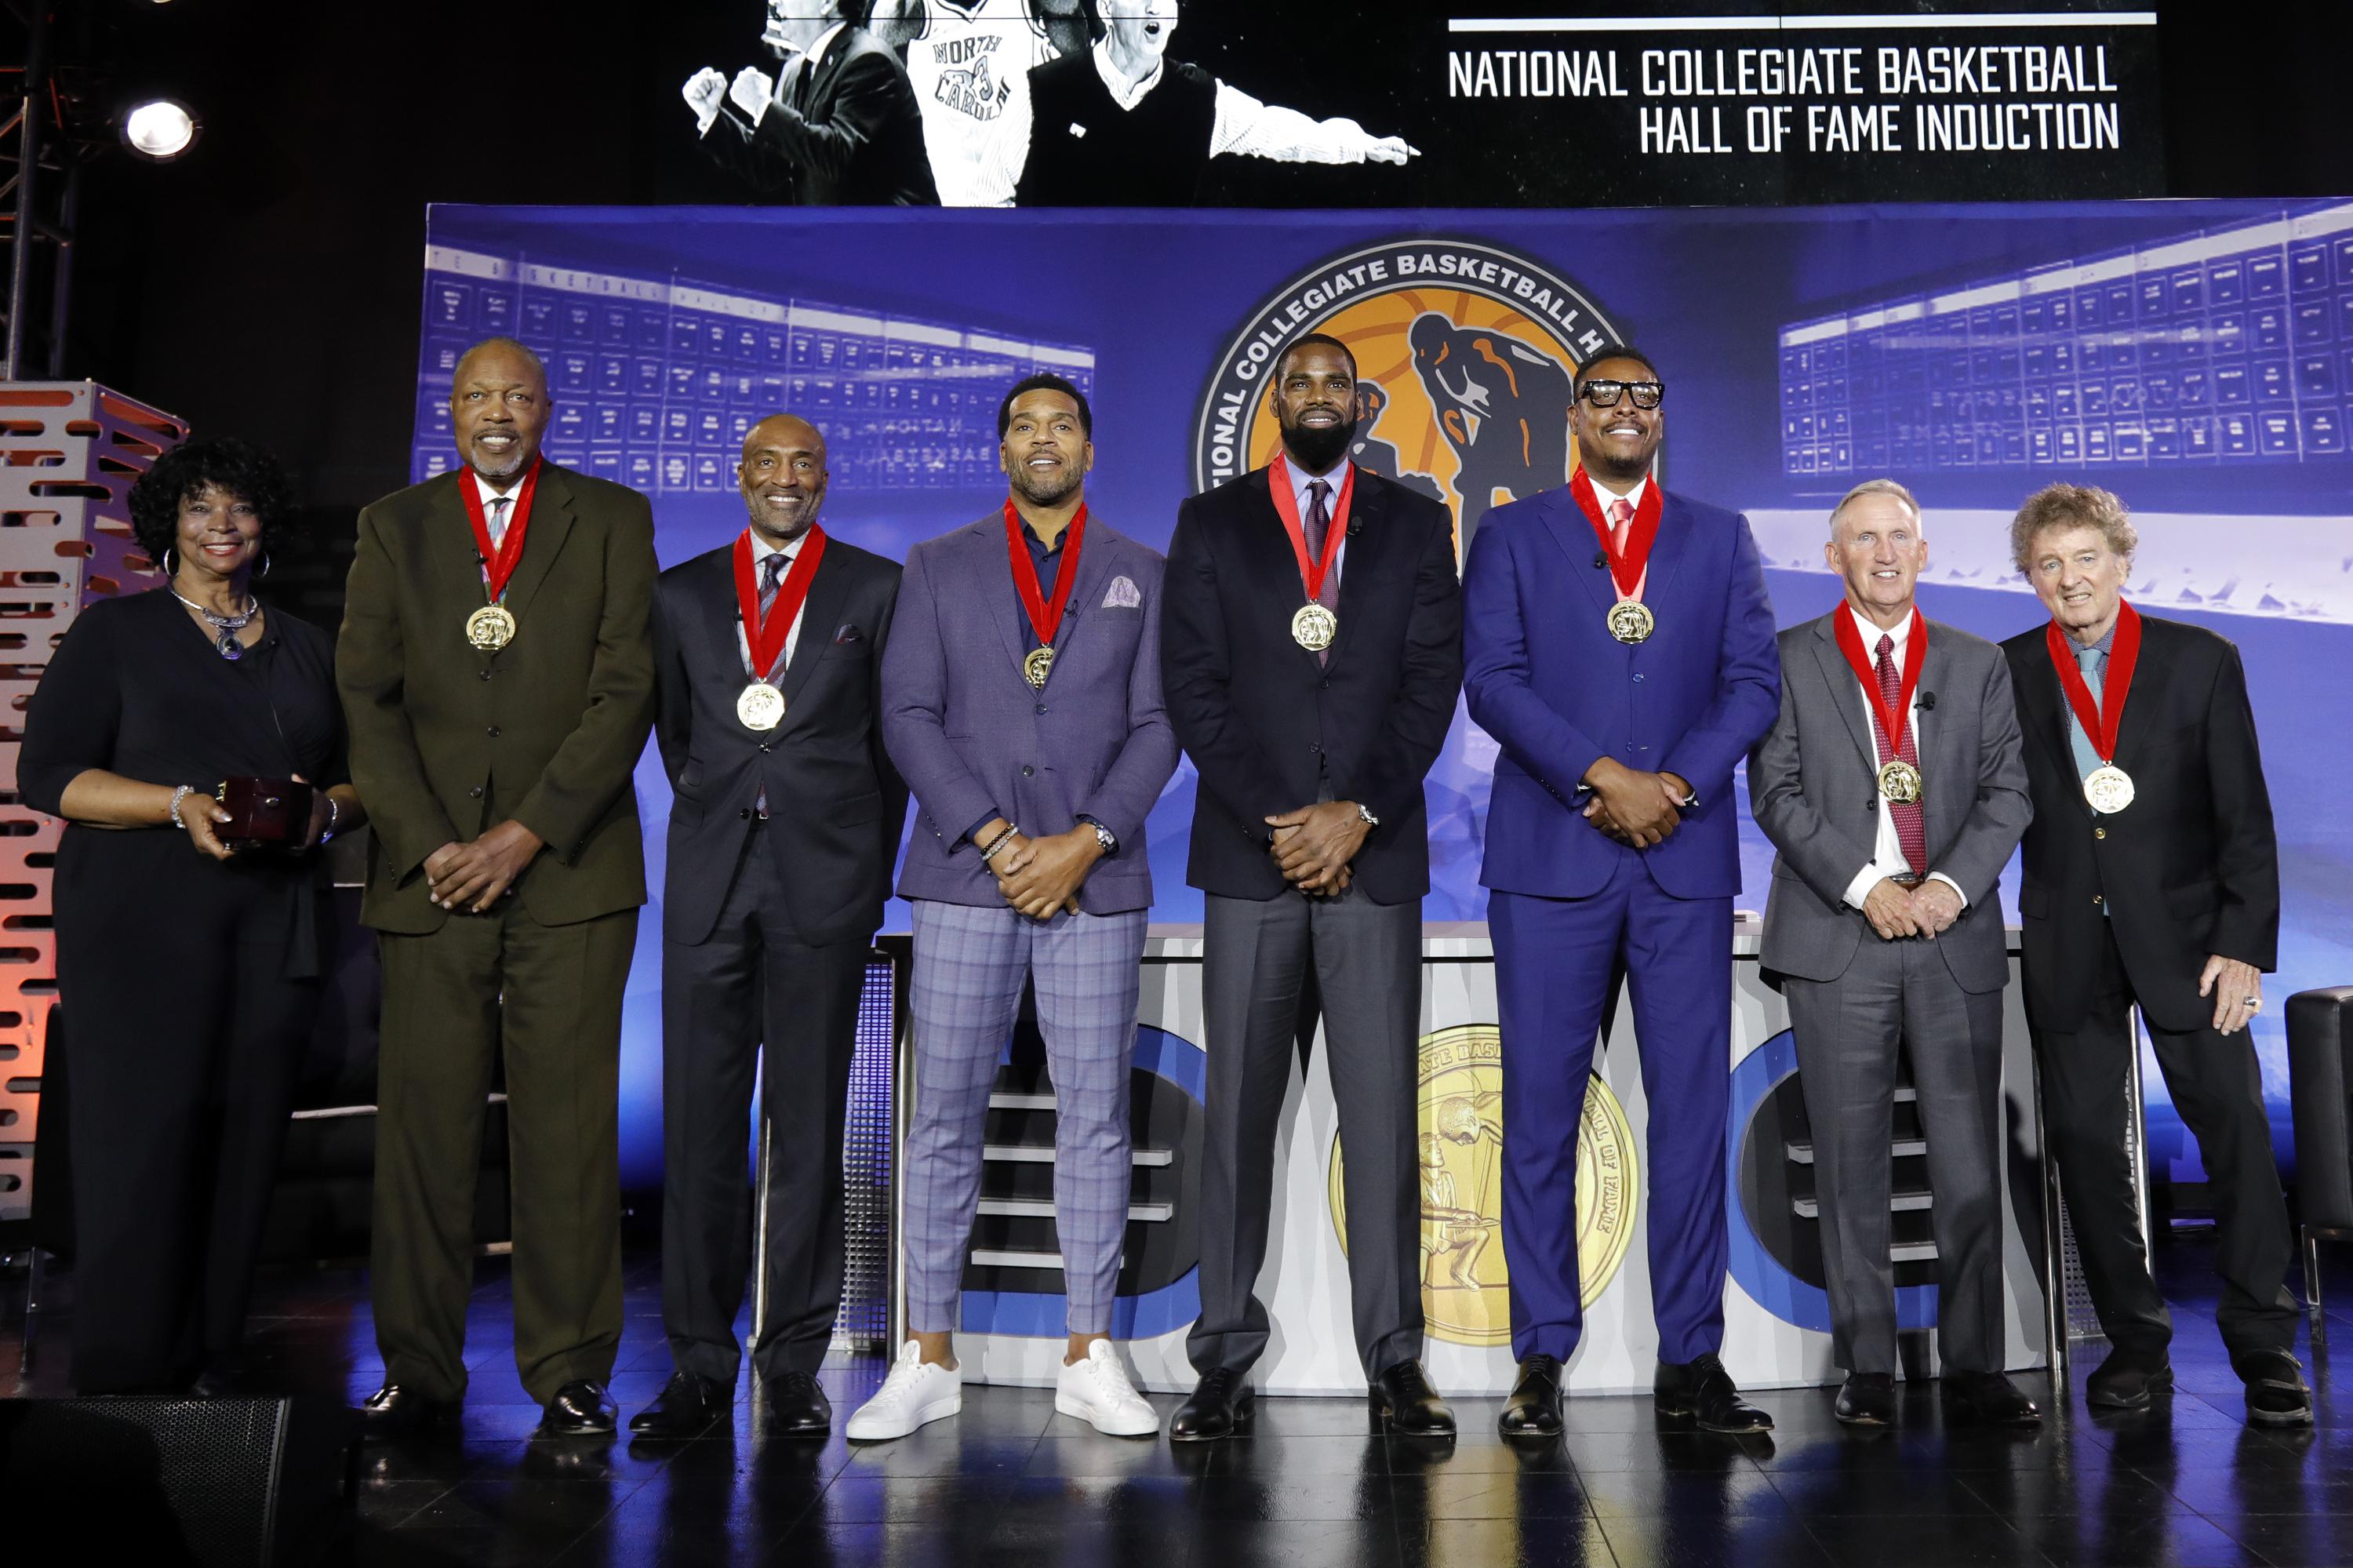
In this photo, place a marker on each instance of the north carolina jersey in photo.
(971, 67)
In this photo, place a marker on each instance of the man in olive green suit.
(498, 679)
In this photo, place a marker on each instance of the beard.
(1050, 490)
(1318, 449)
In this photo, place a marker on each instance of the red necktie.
(1911, 833)
(1318, 529)
(1621, 513)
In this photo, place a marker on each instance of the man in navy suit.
(1021, 701)
(787, 819)
(1619, 646)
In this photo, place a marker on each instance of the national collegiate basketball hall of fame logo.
(1466, 364)
(1465, 1296)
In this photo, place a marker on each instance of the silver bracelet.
(335, 815)
(178, 795)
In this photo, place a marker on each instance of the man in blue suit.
(1022, 703)
(1619, 646)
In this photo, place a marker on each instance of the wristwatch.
(1365, 812)
(1104, 836)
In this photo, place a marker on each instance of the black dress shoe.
(2277, 1395)
(1703, 1391)
(397, 1411)
(1986, 1399)
(686, 1408)
(1868, 1399)
(1222, 1406)
(579, 1410)
(2126, 1381)
(1533, 1409)
(798, 1407)
(1401, 1400)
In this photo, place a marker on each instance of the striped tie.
(1911, 832)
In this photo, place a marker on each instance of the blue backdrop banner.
(2197, 357)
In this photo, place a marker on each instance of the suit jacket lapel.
(454, 564)
(820, 617)
(1086, 588)
(549, 526)
(1847, 699)
(1573, 532)
(1369, 547)
(1266, 536)
(1667, 550)
(1010, 616)
(2044, 715)
(1936, 742)
(2143, 699)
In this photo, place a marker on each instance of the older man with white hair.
(1891, 784)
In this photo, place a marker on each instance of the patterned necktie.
(772, 571)
(1319, 528)
(1911, 832)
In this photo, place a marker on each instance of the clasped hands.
(475, 875)
(1314, 844)
(1637, 809)
(1927, 909)
(1038, 876)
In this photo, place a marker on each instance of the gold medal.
(760, 706)
(2109, 788)
(1038, 666)
(490, 627)
(1314, 627)
(1631, 622)
(1901, 782)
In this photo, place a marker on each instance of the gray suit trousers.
(1899, 996)
(1366, 958)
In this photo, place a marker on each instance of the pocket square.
(1121, 596)
(849, 634)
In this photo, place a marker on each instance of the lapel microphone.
(1927, 702)
(1600, 560)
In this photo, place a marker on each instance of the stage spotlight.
(160, 129)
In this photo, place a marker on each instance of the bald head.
(499, 407)
(782, 476)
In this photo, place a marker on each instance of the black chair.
(2319, 1035)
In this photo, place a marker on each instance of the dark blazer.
(835, 806)
(1557, 692)
(447, 740)
(2189, 870)
(1265, 724)
(853, 137)
(1813, 785)
(972, 738)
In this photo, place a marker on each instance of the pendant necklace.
(224, 627)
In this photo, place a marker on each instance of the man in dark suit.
(2151, 875)
(1312, 659)
(1619, 646)
(837, 126)
(497, 676)
(1883, 931)
(1022, 703)
(781, 839)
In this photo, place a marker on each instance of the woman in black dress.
(189, 973)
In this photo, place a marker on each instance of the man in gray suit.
(1021, 703)
(1892, 784)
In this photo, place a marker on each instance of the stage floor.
(1008, 1481)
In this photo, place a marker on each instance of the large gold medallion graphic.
(1465, 1290)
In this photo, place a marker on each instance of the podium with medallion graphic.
(1777, 1313)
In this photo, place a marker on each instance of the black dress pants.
(2218, 1088)
(752, 990)
(185, 1034)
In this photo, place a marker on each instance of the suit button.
(492, 732)
(746, 813)
(764, 745)
(1325, 685)
(2097, 899)
(1041, 707)
(475, 792)
(1027, 770)
(2099, 832)
(1638, 679)
(486, 675)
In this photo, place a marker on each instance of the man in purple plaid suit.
(1021, 703)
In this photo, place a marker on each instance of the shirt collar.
(1871, 631)
(1301, 479)
(1602, 492)
(824, 41)
(762, 549)
(489, 493)
(1125, 93)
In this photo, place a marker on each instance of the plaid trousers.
(970, 964)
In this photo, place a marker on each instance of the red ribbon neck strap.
(1626, 569)
(1045, 617)
(1311, 573)
(1916, 653)
(498, 562)
(2101, 719)
(765, 635)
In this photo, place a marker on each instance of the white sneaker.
(914, 1394)
(1096, 1389)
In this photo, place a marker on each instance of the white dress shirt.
(761, 551)
(1887, 851)
(1632, 498)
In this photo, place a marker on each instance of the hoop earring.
(264, 570)
(171, 566)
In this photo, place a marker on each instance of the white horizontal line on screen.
(1777, 23)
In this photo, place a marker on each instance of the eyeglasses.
(1605, 394)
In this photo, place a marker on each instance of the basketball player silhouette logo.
(1502, 405)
